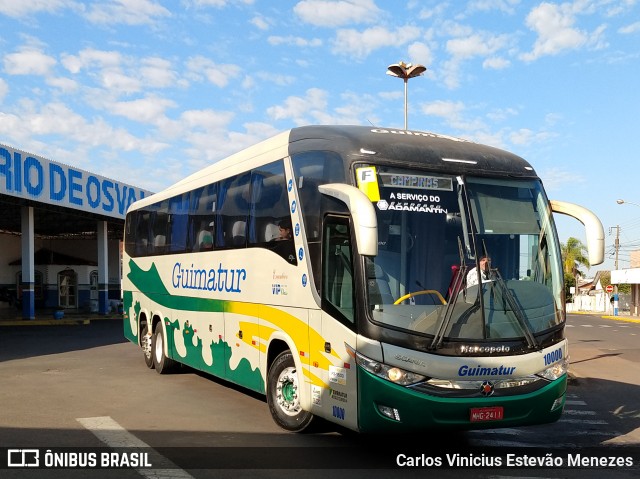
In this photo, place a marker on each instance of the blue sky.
(149, 91)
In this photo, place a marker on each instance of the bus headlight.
(555, 371)
(393, 374)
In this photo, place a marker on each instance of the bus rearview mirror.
(363, 213)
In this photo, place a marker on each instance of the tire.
(283, 397)
(146, 343)
(161, 362)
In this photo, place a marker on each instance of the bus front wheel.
(283, 395)
(161, 362)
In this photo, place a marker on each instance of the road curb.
(628, 319)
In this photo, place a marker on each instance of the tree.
(573, 256)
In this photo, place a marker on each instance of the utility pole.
(615, 286)
(617, 242)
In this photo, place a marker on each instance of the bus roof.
(402, 148)
(417, 149)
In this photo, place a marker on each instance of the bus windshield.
(464, 258)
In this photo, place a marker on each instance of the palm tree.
(573, 256)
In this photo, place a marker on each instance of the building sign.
(625, 276)
(35, 178)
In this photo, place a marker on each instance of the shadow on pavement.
(22, 342)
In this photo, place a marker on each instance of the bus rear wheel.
(146, 342)
(161, 362)
(283, 395)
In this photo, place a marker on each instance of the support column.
(103, 268)
(28, 267)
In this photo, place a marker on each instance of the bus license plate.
(479, 414)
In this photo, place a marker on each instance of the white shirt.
(472, 277)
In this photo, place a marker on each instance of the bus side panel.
(332, 375)
(342, 400)
(243, 345)
(197, 339)
(130, 316)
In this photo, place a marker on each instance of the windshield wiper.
(456, 286)
(522, 321)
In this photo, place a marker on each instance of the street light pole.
(405, 71)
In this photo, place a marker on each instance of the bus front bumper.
(414, 411)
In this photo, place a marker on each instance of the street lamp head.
(620, 202)
(405, 70)
(395, 70)
(416, 70)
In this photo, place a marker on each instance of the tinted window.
(233, 209)
(270, 220)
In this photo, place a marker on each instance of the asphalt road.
(86, 387)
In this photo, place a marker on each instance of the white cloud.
(21, 8)
(420, 53)
(205, 119)
(218, 74)
(430, 12)
(128, 12)
(144, 110)
(66, 85)
(276, 78)
(294, 41)
(629, 29)
(217, 3)
(445, 109)
(502, 114)
(313, 108)
(554, 25)
(299, 109)
(361, 44)
(477, 44)
(484, 129)
(331, 13)
(157, 72)
(391, 95)
(260, 23)
(557, 179)
(466, 124)
(4, 89)
(506, 6)
(59, 121)
(28, 61)
(496, 63)
(90, 57)
(118, 82)
(468, 45)
(525, 137)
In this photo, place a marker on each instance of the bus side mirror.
(593, 227)
(363, 214)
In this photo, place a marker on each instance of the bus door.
(338, 322)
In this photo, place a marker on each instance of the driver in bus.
(472, 275)
(284, 230)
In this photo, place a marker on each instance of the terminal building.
(61, 233)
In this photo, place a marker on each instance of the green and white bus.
(373, 312)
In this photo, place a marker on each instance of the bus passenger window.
(269, 218)
(232, 212)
